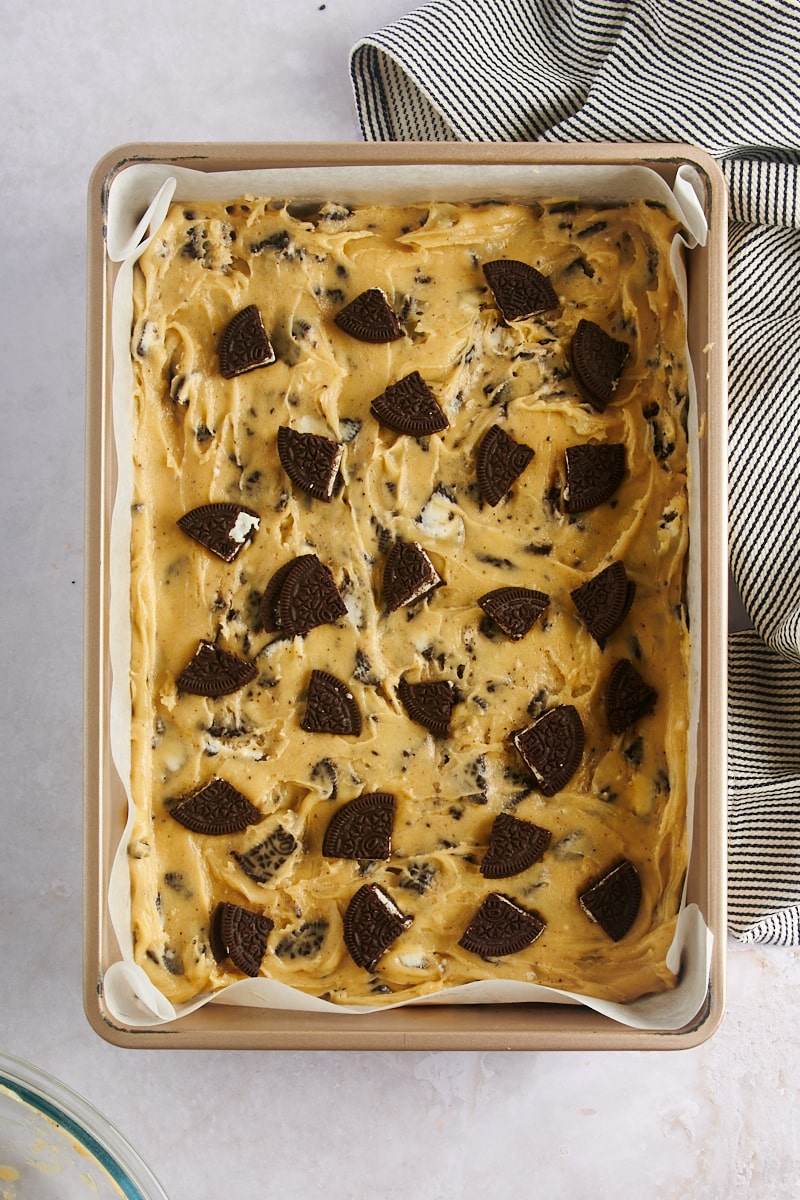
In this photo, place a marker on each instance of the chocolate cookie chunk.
(552, 747)
(514, 609)
(372, 922)
(604, 601)
(500, 460)
(409, 406)
(597, 360)
(417, 876)
(262, 862)
(222, 528)
(309, 597)
(514, 845)
(331, 707)
(408, 575)
(594, 472)
(241, 935)
(500, 927)
(369, 318)
(613, 901)
(244, 345)
(519, 289)
(362, 828)
(215, 672)
(270, 611)
(304, 942)
(310, 460)
(215, 809)
(628, 697)
(429, 704)
(301, 595)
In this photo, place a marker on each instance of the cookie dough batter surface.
(200, 438)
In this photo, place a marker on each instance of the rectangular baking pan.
(441, 1026)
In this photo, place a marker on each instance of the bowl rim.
(81, 1121)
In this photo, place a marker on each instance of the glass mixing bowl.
(55, 1144)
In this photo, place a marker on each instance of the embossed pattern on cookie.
(594, 472)
(604, 601)
(408, 575)
(222, 528)
(613, 901)
(552, 747)
(628, 696)
(215, 809)
(310, 460)
(429, 704)
(499, 462)
(241, 935)
(409, 406)
(309, 597)
(372, 923)
(370, 318)
(361, 828)
(301, 595)
(520, 290)
(597, 360)
(501, 927)
(515, 609)
(243, 344)
(331, 706)
(514, 846)
(215, 672)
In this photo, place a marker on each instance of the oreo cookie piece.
(309, 597)
(594, 472)
(514, 609)
(304, 942)
(243, 344)
(408, 575)
(331, 707)
(301, 595)
(241, 935)
(597, 360)
(429, 704)
(369, 318)
(417, 876)
(372, 922)
(552, 747)
(310, 460)
(215, 809)
(604, 601)
(628, 697)
(215, 672)
(613, 901)
(514, 845)
(500, 460)
(519, 289)
(221, 528)
(500, 927)
(270, 600)
(362, 828)
(262, 862)
(409, 406)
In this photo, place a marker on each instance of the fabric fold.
(722, 76)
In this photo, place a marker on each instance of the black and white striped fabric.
(724, 75)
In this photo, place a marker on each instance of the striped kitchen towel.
(724, 75)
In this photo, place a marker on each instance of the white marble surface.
(720, 1121)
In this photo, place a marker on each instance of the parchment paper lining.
(138, 201)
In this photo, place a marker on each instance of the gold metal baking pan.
(440, 1026)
